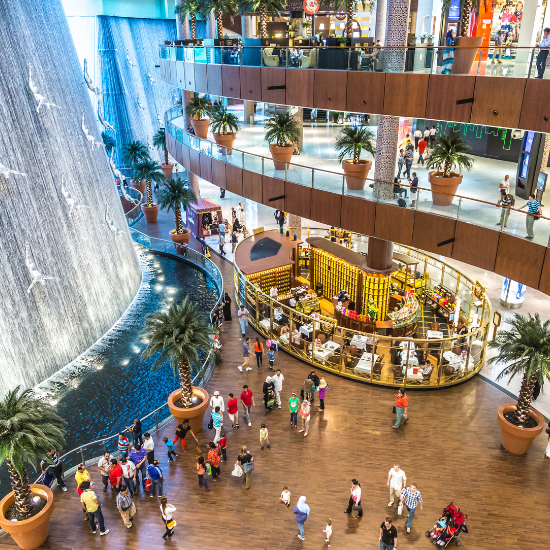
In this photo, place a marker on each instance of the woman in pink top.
(305, 409)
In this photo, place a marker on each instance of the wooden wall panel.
(430, 229)
(214, 77)
(251, 85)
(535, 113)
(544, 284)
(358, 215)
(218, 173)
(190, 76)
(444, 91)
(180, 72)
(195, 162)
(231, 81)
(234, 179)
(201, 83)
(273, 77)
(299, 87)
(329, 90)
(273, 187)
(326, 207)
(365, 93)
(475, 245)
(520, 260)
(405, 94)
(298, 199)
(252, 186)
(206, 167)
(185, 157)
(497, 103)
(393, 223)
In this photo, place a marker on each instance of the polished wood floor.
(451, 448)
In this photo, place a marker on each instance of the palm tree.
(159, 141)
(29, 429)
(525, 349)
(149, 171)
(177, 336)
(108, 141)
(223, 121)
(199, 107)
(351, 8)
(352, 140)
(175, 194)
(449, 152)
(281, 129)
(265, 7)
(222, 8)
(189, 7)
(134, 152)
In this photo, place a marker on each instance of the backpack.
(402, 203)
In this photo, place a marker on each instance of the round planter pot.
(150, 212)
(139, 186)
(444, 189)
(180, 238)
(281, 155)
(517, 440)
(194, 414)
(225, 140)
(30, 533)
(465, 54)
(356, 174)
(167, 169)
(200, 127)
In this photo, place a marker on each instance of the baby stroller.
(455, 526)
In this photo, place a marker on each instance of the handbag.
(171, 524)
(270, 402)
(357, 506)
(237, 471)
(211, 424)
(248, 467)
(394, 410)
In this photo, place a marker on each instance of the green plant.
(265, 7)
(281, 129)
(221, 9)
(108, 141)
(149, 171)
(177, 336)
(134, 152)
(352, 140)
(198, 107)
(351, 6)
(306, 25)
(159, 141)
(223, 121)
(342, 39)
(175, 195)
(423, 37)
(189, 7)
(29, 429)
(449, 152)
(525, 350)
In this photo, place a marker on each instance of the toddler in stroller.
(448, 527)
(440, 526)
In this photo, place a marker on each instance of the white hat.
(216, 393)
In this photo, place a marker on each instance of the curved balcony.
(463, 231)
(346, 85)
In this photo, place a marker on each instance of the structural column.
(187, 96)
(381, 13)
(297, 115)
(247, 23)
(211, 25)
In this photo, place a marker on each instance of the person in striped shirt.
(411, 497)
(533, 210)
(123, 444)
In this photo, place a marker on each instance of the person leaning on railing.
(533, 213)
(543, 53)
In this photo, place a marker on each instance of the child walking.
(201, 470)
(328, 531)
(222, 443)
(171, 449)
(271, 357)
(305, 409)
(264, 437)
(285, 496)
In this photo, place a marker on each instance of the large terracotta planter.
(200, 127)
(356, 174)
(181, 239)
(225, 140)
(167, 169)
(139, 186)
(466, 53)
(444, 189)
(194, 414)
(151, 212)
(30, 533)
(517, 440)
(281, 155)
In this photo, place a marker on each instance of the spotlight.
(99, 367)
(161, 278)
(125, 362)
(36, 499)
(158, 288)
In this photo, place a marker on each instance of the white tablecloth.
(306, 329)
(364, 364)
(323, 354)
(359, 341)
(265, 324)
(434, 334)
(331, 345)
(368, 357)
(413, 360)
(411, 375)
(405, 345)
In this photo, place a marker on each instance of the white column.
(182, 25)
(528, 32)
(381, 13)
(211, 25)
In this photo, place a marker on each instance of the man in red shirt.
(400, 408)
(233, 411)
(421, 148)
(247, 400)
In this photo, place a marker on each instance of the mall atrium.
(276, 274)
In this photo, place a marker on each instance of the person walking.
(157, 479)
(201, 470)
(417, 137)
(547, 453)
(533, 213)
(247, 399)
(221, 242)
(138, 456)
(217, 422)
(278, 386)
(388, 535)
(322, 392)
(222, 445)
(126, 507)
(269, 393)
(226, 307)
(214, 460)
(149, 446)
(505, 202)
(234, 241)
(408, 163)
(433, 133)
(233, 411)
(241, 215)
(302, 512)
(293, 405)
(54, 465)
(171, 449)
(355, 499)
(246, 461)
(259, 351)
(243, 314)
(135, 430)
(543, 53)
(128, 474)
(308, 388)
(92, 507)
(422, 144)
(264, 437)
(426, 134)
(167, 511)
(400, 406)
(305, 410)
(115, 475)
(498, 48)
(414, 188)
(181, 431)
(411, 497)
(246, 355)
(104, 466)
(221, 229)
(217, 401)
(400, 162)
(397, 481)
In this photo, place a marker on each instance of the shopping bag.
(148, 484)
(171, 524)
(399, 509)
(237, 471)
(270, 402)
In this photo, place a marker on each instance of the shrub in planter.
(198, 109)
(224, 126)
(281, 131)
(351, 141)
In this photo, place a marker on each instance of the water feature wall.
(68, 268)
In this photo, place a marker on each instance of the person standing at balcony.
(448, 58)
(533, 213)
(53, 464)
(417, 136)
(414, 187)
(400, 163)
(498, 48)
(505, 201)
(136, 431)
(543, 53)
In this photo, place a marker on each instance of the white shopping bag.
(237, 471)
(400, 509)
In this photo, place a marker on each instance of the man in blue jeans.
(93, 508)
(408, 162)
(155, 473)
(138, 456)
(411, 497)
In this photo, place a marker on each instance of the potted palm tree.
(133, 153)
(177, 336)
(525, 350)
(281, 131)
(109, 142)
(264, 7)
(447, 152)
(175, 195)
(159, 141)
(190, 8)
(224, 126)
(350, 7)
(351, 141)
(149, 171)
(29, 429)
(221, 9)
(198, 109)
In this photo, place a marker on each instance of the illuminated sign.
(311, 7)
